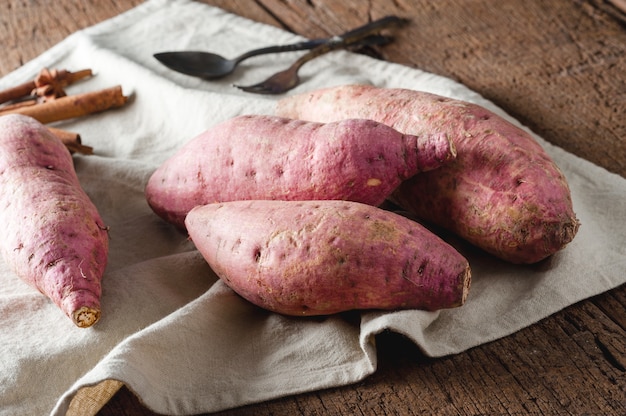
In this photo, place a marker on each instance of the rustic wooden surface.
(560, 68)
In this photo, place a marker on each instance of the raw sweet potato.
(324, 257)
(53, 236)
(266, 157)
(503, 193)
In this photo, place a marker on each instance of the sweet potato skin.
(502, 193)
(54, 238)
(322, 257)
(266, 157)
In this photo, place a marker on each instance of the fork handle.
(371, 28)
(299, 46)
(325, 48)
(333, 43)
(364, 35)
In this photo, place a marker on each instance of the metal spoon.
(210, 66)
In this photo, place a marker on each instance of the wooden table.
(559, 66)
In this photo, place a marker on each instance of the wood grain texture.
(560, 68)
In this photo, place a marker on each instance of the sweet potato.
(266, 157)
(323, 257)
(502, 193)
(53, 236)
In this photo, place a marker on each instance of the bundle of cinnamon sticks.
(45, 100)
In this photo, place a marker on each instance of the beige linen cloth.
(170, 330)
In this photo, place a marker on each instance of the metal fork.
(287, 79)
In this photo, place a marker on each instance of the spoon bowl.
(195, 63)
(211, 66)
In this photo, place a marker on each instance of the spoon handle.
(371, 28)
(331, 43)
(299, 46)
(365, 34)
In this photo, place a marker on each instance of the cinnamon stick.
(16, 92)
(72, 106)
(72, 141)
(10, 107)
(47, 82)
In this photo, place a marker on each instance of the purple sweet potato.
(54, 238)
(266, 157)
(502, 193)
(323, 257)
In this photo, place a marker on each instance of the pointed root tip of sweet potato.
(570, 230)
(466, 282)
(556, 237)
(434, 151)
(85, 317)
(82, 306)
